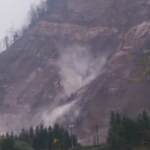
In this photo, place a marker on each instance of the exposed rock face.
(115, 90)
(74, 66)
(65, 31)
(53, 60)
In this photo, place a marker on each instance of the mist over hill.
(73, 64)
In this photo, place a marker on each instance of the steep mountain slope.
(75, 66)
(50, 62)
(115, 90)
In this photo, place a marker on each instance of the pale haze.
(13, 13)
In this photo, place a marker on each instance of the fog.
(13, 13)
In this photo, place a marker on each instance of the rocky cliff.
(76, 66)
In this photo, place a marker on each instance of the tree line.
(40, 11)
(40, 138)
(124, 133)
(37, 12)
(129, 133)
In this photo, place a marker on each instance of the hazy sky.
(13, 13)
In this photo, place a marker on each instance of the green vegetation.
(41, 138)
(39, 12)
(20, 145)
(144, 66)
(124, 133)
(127, 133)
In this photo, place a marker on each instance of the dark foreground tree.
(128, 133)
(40, 138)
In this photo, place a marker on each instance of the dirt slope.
(75, 66)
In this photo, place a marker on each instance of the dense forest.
(40, 138)
(128, 133)
(124, 133)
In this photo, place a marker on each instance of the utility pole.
(71, 128)
(97, 135)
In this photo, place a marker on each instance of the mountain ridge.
(75, 65)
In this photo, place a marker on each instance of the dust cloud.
(50, 117)
(78, 67)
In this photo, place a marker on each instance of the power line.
(71, 128)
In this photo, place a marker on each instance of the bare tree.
(15, 36)
(6, 42)
(33, 14)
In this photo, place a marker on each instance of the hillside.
(76, 66)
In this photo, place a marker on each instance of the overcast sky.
(13, 13)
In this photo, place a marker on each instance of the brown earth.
(31, 79)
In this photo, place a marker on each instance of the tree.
(31, 135)
(20, 145)
(49, 138)
(12, 135)
(36, 138)
(128, 133)
(6, 42)
(33, 15)
(15, 37)
(7, 134)
(143, 121)
(7, 144)
(43, 137)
